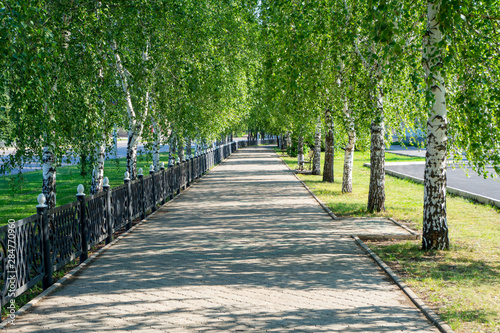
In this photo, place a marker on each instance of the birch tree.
(435, 232)
(316, 168)
(48, 41)
(460, 61)
(328, 170)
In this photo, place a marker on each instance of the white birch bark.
(435, 226)
(188, 146)
(156, 146)
(196, 147)
(171, 150)
(135, 125)
(49, 176)
(376, 193)
(98, 172)
(180, 149)
(316, 169)
(300, 151)
(349, 150)
(115, 141)
(328, 166)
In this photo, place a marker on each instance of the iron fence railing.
(49, 240)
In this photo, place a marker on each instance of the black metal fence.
(49, 240)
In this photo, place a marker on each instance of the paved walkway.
(245, 249)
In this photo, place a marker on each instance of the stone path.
(245, 249)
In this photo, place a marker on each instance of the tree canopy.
(73, 71)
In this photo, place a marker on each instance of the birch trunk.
(316, 169)
(328, 174)
(435, 226)
(300, 152)
(196, 147)
(49, 177)
(180, 149)
(156, 146)
(376, 194)
(98, 172)
(135, 125)
(171, 150)
(349, 151)
(188, 147)
(115, 141)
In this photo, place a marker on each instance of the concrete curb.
(431, 316)
(417, 235)
(71, 275)
(402, 154)
(462, 193)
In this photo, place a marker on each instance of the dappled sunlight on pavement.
(245, 249)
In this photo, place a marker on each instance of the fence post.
(109, 217)
(153, 191)
(42, 211)
(163, 185)
(142, 198)
(196, 164)
(80, 196)
(207, 161)
(178, 175)
(127, 181)
(191, 168)
(188, 170)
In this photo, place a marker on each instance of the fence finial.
(105, 181)
(151, 168)
(162, 165)
(178, 160)
(80, 189)
(127, 175)
(41, 200)
(140, 172)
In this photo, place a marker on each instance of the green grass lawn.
(462, 285)
(18, 193)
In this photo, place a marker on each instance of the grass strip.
(18, 193)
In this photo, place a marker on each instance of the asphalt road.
(461, 178)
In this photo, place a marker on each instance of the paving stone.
(245, 249)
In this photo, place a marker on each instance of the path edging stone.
(429, 314)
(417, 235)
